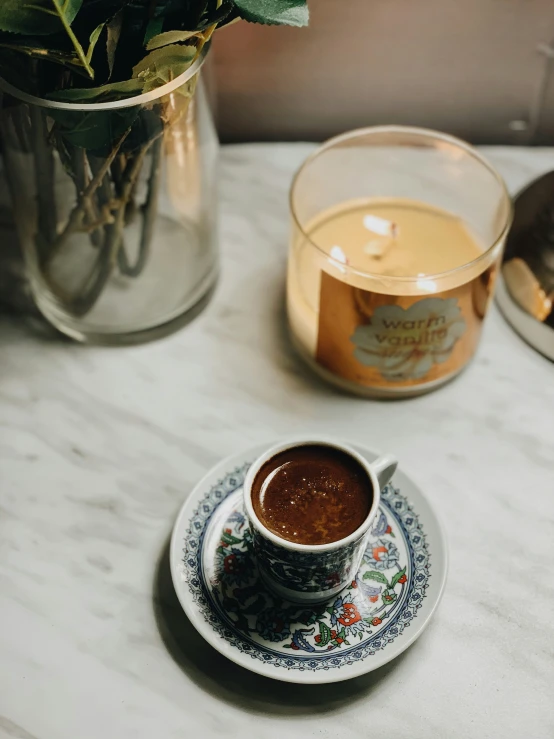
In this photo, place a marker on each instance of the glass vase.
(115, 206)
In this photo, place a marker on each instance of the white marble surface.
(99, 447)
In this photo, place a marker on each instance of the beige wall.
(470, 67)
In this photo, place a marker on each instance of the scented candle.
(396, 236)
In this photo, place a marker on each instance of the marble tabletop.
(99, 448)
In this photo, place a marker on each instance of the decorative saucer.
(375, 618)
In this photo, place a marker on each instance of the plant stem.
(107, 258)
(44, 178)
(74, 40)
(80, 177)
(77, 214)
(9, 126)
(23, 127)
(104, 193)
(97, 197)
(149, 213)
(117, 171)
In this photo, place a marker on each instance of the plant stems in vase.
(96, 97)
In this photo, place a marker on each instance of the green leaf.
(65, 10)
(163, 65)
(376, 576)
(325, 633)
(307, 618)
(169, 37)
(37, 17)
(397, 577)
(227, 538)
(93, 40)
(38, 51)
(103, 94)
(43, 17)
(95, 131)
(274, 12)
(153, 28)
(214, 16)
(230, 18)
(113, 31)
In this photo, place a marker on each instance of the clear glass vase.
(115, 206)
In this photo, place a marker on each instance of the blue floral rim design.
(416, 579)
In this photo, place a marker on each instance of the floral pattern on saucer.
(369, 613)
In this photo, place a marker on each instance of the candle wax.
(396, 237)
(401, 238)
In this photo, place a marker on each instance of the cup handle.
(384, 468)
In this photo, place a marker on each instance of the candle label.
(397, 340)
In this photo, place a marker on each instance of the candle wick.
(385, 232)
(378, 247)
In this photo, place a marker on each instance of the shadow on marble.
(235, 685)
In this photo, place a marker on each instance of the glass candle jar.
(397, 234)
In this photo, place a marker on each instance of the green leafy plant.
(83, 53)
(88, 44)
